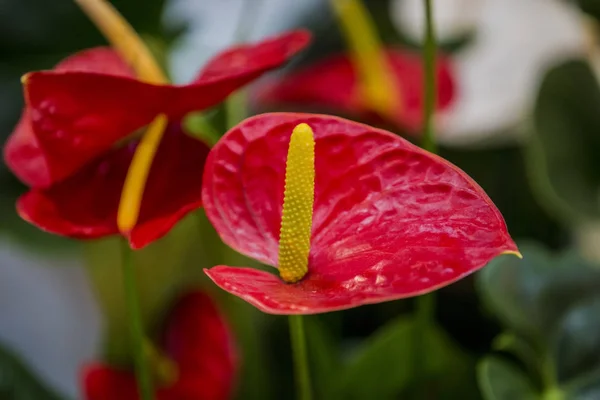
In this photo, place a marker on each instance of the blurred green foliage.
(549, 305)
(382, 366)
(18, 383)
(591, 7)
(563, 149)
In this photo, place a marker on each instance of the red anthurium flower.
(334, 84)
(68, 146)
(198, 345)
(389, 221)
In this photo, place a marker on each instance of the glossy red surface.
(268, 54)
(67, 145)
(85, 205)
(197, 340)
(332, 84)
(23, 153)
(390, 219)
(79, 110)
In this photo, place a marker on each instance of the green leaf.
(324, 357)
(585, 387)
(501, 380)
(563, 150)
(576, 344)
(382, 366)
(531, 295)
(18, 383)
(519, 347)
(591, 7)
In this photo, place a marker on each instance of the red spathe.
(197, 340)
(333, 84)
(390, 219)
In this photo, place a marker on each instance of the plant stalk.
(429, 84)
(301, 369)
(425, 304)
(142, 370)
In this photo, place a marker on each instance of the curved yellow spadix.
(298, 200)
(376, 77)
(123, 39)
(130, 46)
(137, 175)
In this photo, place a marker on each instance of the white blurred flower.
(49, 316)
(212, 27)
(498, 74)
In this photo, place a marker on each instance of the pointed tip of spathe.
(515, 253)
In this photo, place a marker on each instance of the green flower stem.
(429, 61)
(236, 107)
(142, 369)
(298, 339)
(425, 307)
(424, 318)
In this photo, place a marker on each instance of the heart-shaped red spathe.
(390, 219)
(333, 84)
(86, 104)
(197, 340)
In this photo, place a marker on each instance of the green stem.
(301, 369)
(548, 373)
(135, 320)
(425, 307)
(235, 108)
(424, 317)
(429, 61)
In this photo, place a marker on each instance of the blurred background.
(523, 121)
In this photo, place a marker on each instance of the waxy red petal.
(23, 155)
(390, 219)
(197, 340)
(102, 382)
(332, 84)
(22, 151)
(85, 205)
(100, 60)
(268, 54)
(77, 116)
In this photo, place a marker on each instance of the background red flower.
(333, 84)
(197, 340)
